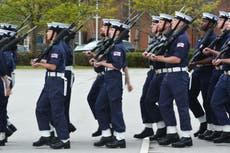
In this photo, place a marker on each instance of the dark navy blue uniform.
(200, 82)
(221, 95)
(95, 89)
(147, 90)
(175, 85)
(144, 114)
(68, 75)
(152, 112)
(3, 98)
(52, 98)
(217, 72)
(111, 92)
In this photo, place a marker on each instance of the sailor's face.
(49, 34)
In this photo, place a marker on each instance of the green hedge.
(134, 59)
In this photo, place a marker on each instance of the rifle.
(60, 36)
(203, 45)
(157, 45)
(18, 29)
(14, 42)
(218, 39)
(108, 41)
(71, 34)
(23, 23)
(162, 48)
(223, 50)
(119, 39)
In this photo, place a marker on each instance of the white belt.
(109, 69)
(55, 74)
(100, 73)
(227, 72)
(69, 68)
(151, 67)
(202, 65)
(176, 69)
(219, 67)
(159, 71)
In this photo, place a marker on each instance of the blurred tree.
(190, 7)
(43, 11)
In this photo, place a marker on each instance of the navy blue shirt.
(68, 52)
(3, 69)
(57, 56)
(226, 55)
(198, 43)
(179, 48)
(221, 42)
(10, 61)
(117, 57)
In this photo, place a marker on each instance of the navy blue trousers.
(220, 98)
(211, 118)
(152, 97)
(51, 101)
(68, 76)
(110, 96)
(3, 108)
(144, 113)
(200, 83)
(175, 86)
(93, 93)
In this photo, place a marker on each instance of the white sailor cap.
(164, 16)
(8, 33)
(106, 22)
(155, 19)
(209, 16)
(183, 17)
(57, 26)
(223, 14)
(8, 26)
(118, 25)
(229, 15)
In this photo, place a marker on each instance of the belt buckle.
(169, 69)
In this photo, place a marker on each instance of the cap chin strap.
(163, 26)
(222, 26)
(51, 38)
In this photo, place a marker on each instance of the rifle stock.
(223, 50)
(59, 37)
(203, 44)
(16, 40)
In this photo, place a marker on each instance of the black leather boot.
(202, 129)
(103, 141)
(9, 132)
(71, 128)
(60, 145)
(206, 133)
(12, 127)
(2, 142)
(212, 136)
(159, 134)
(96, 133)
(147, 132)
(168, 139)
(223, 138)
(116, 144)
(183, 142)
(42, 141)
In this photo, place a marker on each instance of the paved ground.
(23, 101)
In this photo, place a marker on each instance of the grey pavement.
(22, 105)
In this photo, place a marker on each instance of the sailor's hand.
(206, 51)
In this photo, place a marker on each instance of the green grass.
(30, 67)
